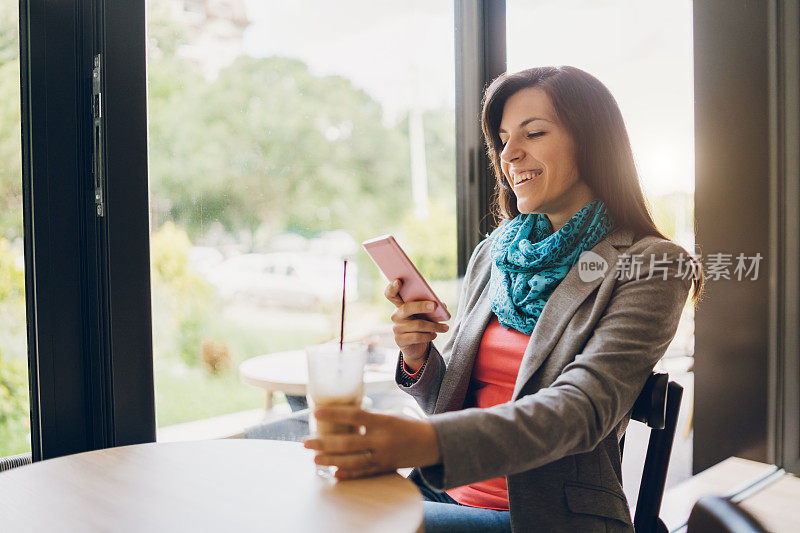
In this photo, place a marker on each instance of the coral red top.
(493, 376)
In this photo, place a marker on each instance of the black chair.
(657, 406)
(714, 514)
(13, 461)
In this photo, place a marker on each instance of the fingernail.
(396, 283)
(429, 307)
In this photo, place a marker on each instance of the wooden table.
(287, 372)
(775, 503)
(216, 485)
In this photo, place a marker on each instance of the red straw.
(341, 330)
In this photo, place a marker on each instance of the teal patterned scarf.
(529, 260)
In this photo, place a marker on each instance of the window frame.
(480, 46)
(783, 421)
(746, 124)
(87, 278)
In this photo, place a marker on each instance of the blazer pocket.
(583, 498)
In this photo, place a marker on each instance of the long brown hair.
(589, 112)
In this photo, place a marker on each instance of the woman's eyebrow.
(524, 123)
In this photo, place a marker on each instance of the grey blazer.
(557, 440)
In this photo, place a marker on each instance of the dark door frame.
(87, 278)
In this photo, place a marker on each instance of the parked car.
(284, 279)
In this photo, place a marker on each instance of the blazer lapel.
(557, 312)
(465, 348)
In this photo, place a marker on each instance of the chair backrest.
(657, 406)
(714, 514)
(651, 405)
(13, 461)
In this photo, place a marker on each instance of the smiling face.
(538, 159)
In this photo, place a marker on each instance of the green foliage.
(183, 301)
(431, 242)
(165, 32)
(14, 416)
(269, 144)
(270, 147)
(183, 395)
(12, 303)
(13, 392)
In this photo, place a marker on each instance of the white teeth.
(525, 176)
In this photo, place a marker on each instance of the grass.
(185, 394)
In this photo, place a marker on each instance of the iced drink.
(334, 378)
(333, 428)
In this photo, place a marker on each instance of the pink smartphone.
(394, 263)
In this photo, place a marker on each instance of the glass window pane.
(281, 135)
(14, 399)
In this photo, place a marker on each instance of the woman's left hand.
(390, 442)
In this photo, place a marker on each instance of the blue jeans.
(444, 514)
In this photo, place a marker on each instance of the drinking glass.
(335, 377)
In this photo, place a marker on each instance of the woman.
(552, 345)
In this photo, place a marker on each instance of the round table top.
(287, 372)
(215, 485)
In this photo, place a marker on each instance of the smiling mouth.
(519, 179)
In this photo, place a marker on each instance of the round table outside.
(287, 372)
(216, 485)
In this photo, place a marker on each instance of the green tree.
(269, 147)
(270, 144)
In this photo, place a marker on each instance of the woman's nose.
(510, 153)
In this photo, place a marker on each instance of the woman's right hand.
(411, 334)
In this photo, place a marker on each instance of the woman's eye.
(531, 135)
